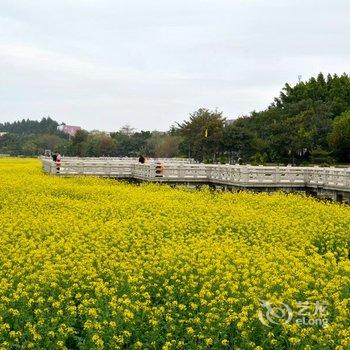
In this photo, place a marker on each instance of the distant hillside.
(26, 126)
(32, 137)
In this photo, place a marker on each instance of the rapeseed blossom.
(90, 263)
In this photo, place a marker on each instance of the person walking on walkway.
(58, 162)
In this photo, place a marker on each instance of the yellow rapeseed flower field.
(91, 263)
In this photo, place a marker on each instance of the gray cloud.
(103, 63)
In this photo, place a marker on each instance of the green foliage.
(237, 140)
(259, 158)
(163, 145)
(29, 127)
(297, 123)
(79, 143)
(203, 134)
(131, 144)
(320, 156)
(29, 145)
(339, 137)
(31, 137)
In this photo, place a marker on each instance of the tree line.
(32, 138)
(306, 123)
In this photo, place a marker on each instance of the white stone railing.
(95, 168)
(124, 159)
(235, 175)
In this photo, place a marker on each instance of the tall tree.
(203, 134)
(339, 137)
(297, 123)
(79, 143)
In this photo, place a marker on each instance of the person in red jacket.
(58, 162)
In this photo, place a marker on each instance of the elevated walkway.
(332, 183)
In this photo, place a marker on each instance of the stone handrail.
(123, 159)
(234, 175)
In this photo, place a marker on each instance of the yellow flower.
(174, 268)
(225, 342)
(209, 341)
(97, 340)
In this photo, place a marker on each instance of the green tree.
(51, 142)
(80, 143)
(131, 144)
(162, 144)
(297, 123)
(27, 126)
(203, 134)
(237, 142)
(339, 137)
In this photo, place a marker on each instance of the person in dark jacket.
(142, 159)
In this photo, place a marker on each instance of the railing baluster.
(235, 175)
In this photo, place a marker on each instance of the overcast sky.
(102, 64)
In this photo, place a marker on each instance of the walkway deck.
(330, 182)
